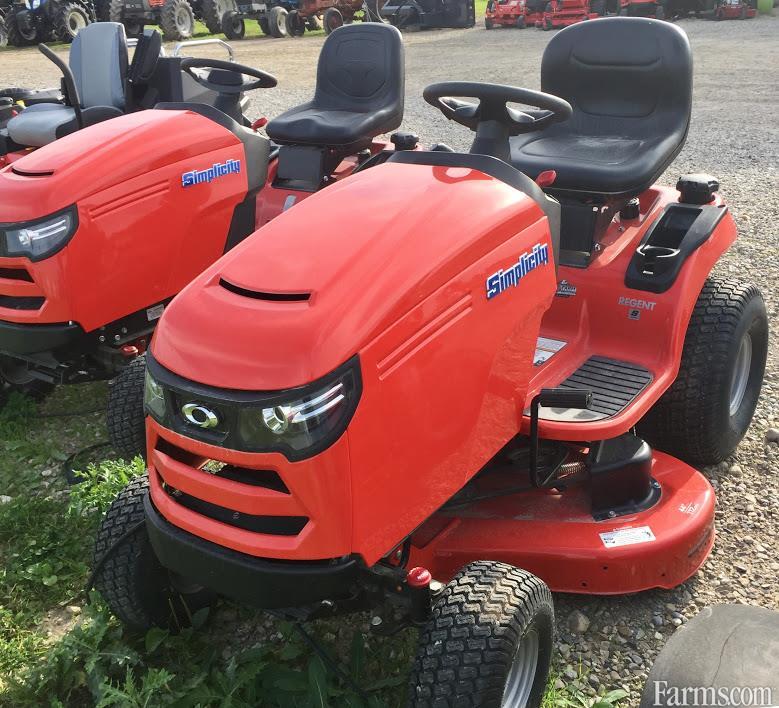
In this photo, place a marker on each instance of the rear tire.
(277, 22)
(19, 38)
(521, 22)
(332, 19)
(3, 31)
(213, 13)
(488, 24)
(70, 19)
(706, 412)
(125, 419)
(133, 27)
(491, 622)
(177, 20)
(138, 590)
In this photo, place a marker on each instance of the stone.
(772, 435)
(578, 622)
(4, 499)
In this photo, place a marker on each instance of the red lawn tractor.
(563, 13)
(733, 10)
(489, 380)
(513, 13)
(100, 229)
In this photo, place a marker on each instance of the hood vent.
(31, 173)
(260, 295)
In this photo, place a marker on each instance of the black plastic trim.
(264, 583)
(665, 268)
(35, 338)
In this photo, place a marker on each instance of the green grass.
(55, 650)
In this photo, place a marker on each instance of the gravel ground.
(611, 642)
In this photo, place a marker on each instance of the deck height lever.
(579, 398)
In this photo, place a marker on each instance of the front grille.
(21, 303)
(16, 274)
(267, 479)
(273, 525)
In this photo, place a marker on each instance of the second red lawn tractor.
(563, 13)
(513, 13)
(733, 10)
(490, 380)
(100, 229)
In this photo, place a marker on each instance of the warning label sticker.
(627, 537)
(546, 349)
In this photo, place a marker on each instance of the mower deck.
(553, 534)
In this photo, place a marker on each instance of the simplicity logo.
(218, 169)
(712, 696)
(510, 277)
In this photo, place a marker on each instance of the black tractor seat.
(359, 92)
(629, 81)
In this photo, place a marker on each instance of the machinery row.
(27, 22)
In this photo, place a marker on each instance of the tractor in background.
(272, 16)
(176, 18)
(29, 22)
(733, 10)
(428, 14)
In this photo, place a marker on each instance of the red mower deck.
(553, 535)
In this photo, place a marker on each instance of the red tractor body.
(563, 13)
(734, 10)
(485, 369)
(513, 13)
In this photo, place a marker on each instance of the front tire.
(137, 589)
(295, 24)
(332, 19)
(125, 419)
(277, 22)
(177, 20)
(706, 412)
(488, 642)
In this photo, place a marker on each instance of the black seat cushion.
(359, 90)
(629, 81)
(256, 147)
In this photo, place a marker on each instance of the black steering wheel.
(264, 79)
(492, 105)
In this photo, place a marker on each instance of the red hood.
(90, 160)
(365, 251)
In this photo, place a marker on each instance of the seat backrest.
(98, 60)
(146, 56)
(361, 69)
(630, 77)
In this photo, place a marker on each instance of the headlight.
(303, 420)
(153, 397)
(41, 238)
(299, 423)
